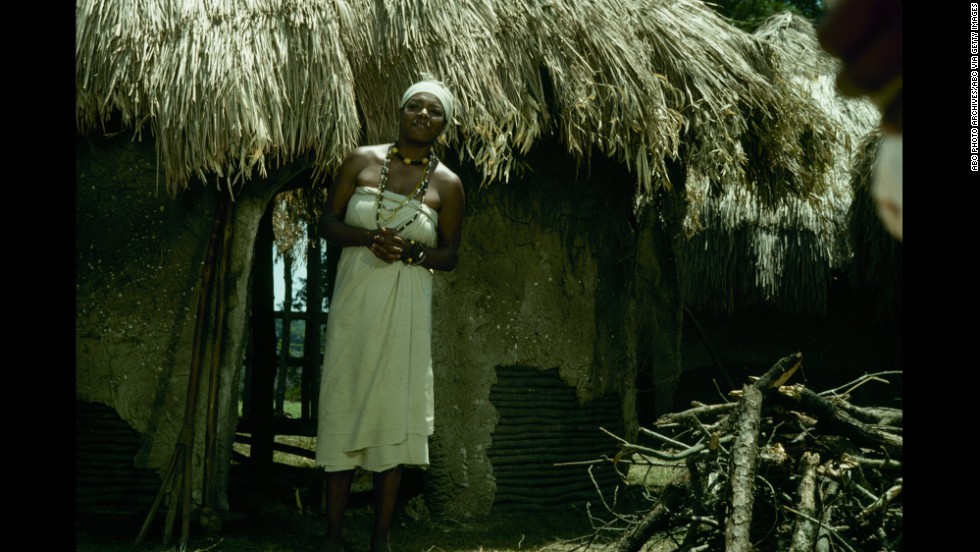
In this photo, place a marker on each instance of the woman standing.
(398, 212)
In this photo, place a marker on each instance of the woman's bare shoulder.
(374, 152)
(359, 159)
(443, 176)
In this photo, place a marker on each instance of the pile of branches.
(780, 468)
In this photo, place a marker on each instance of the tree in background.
(294, 221)
(289, 234)
(748, 14)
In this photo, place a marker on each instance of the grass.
(292, 409)
(285, 458)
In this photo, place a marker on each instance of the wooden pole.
(183, 459)
(745, 460)
(805, 531)
(211, 430)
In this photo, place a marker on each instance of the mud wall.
(139, 261)
(551, 277)
(547, 279)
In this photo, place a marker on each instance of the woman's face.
(423, 118)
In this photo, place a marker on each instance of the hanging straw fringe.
(231, 87)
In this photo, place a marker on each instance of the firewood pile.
(779, 467)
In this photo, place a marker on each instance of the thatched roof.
(229, 88)
(745, 249)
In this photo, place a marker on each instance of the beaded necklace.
(421, 187)
(406, 160)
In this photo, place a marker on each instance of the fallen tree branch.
(773, 378)
(603, 498)
(883, 501)
(691, 450)
(745, 457)
(654, 521)
(878, 464)
(828, 413)
(665, 439)
(831, 530)
(881, 416)
(822, 544)
(806, 529)
(685, 416)
(749, 462)
(779, 373)
(851, 386)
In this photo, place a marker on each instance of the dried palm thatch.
(795, 241)
(229, 87)
(225, 86)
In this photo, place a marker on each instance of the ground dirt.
(281, 529)
(276, 523)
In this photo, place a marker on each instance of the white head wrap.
(435, 88)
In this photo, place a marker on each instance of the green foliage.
(748, 14)
(301, 296)
(297, 334)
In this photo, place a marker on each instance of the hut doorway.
(276, 433)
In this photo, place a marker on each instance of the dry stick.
(626, 445)
(894, 543)
(640, 533)
(598, 491)
(706, 430)
(694, 524)
(687, 415)
(749, 417)
(706, 520)
(780, 372)
(211, 430)
(684, 454)
(598, 524)
(874, 463)
(851, 386)
(882, 416)
(168, 527)
(829, 529)
(745, 458)
(883, 501)
(602, 460)
(167, 482)
(822, 543)
(700, 548)
(774, 377)
(775, 519)
(664, 438)
(828, 413)
(805, 529)
(852, 485)
(185, 522)
(185, 441)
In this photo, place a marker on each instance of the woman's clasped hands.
(387, 245)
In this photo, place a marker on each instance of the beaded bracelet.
(415, 254)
